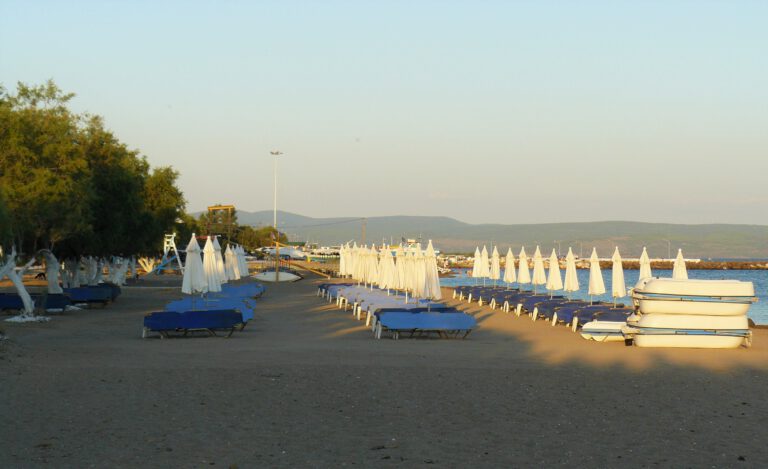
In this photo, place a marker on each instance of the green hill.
(450, 235)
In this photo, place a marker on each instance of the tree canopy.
(68, 184)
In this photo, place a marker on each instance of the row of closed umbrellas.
(489, 267)
(408, 269)
(206, 274)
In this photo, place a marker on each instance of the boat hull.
(694, 297)
(689, 331)
(603, 331)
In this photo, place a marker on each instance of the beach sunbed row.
(225, 311)
(553, 308)
(393, 315)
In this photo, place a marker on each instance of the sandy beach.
(306, 386)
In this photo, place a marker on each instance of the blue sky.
(488, 111)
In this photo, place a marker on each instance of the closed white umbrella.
(410, 273)
(495, 269)
(242, 262)
(523, 274)
(420, 272)
(432, 283)
(476, 264)
(194, 277)
(539, 274)
(645, 266)
(485, 268)
(400, 267)
(390, 275)
(571, 278)
(230, 264)
(219, 260)
(343, 260)
(679, 272)
(509, 268)
(596, 282)
(554, 280)
(618, 287)
(210, 267)
(373, 265)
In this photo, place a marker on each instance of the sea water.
(758, 311)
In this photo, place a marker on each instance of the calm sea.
(758, 312)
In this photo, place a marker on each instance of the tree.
(70, 184)
(42, 169)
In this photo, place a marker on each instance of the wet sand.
(306, 386)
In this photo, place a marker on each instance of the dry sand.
(306, 386)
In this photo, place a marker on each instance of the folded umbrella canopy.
(509, 268)
(476, 264)
(645, 266)
(432, 284)
(242, 262)
(539, 275)
(618, 287)
(495, 269)
(554, 280)
(420, 272)
(523, 274)
(222, 272)
(194, 278)
(343, 260)
(679, 272)
(485, 268)
(230, 264)
(210, 267)
(571, 278)
(596, 282)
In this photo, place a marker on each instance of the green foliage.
(72, 186)
(252, 238)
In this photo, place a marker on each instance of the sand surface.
(306, 386)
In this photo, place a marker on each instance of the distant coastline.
(665, 265)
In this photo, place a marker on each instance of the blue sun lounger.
(166, 322)
(443, 324)
(89, 295)
(548, 309)
(242, 305)
(580, 315)
(10, 301)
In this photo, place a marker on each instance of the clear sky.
(503, 112)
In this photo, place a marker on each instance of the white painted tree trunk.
(52, 269)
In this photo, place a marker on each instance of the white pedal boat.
(694, 297)
(689, 331)
(603, 331)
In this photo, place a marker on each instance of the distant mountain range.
(450, 235)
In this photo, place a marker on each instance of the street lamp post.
(276, 153)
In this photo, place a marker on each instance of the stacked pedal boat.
(691, 313)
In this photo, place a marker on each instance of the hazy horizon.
(354, 217)
(499, 112)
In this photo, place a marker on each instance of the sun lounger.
(165, 322)
(10, 301)
(244, 306)
(89, 295)
(580, 315)
(52, 301)
(443, 324)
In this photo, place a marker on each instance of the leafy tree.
(70, 184)
(42, 168)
